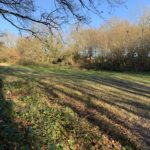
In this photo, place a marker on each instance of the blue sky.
(131, 10)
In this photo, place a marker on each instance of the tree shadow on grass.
(107, 125)
(114, 99)
(110, 123)
(13, 133)
(126, 86)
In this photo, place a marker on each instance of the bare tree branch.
(21, 13)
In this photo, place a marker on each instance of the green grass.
(65, 108)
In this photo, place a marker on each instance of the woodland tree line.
(116, 45)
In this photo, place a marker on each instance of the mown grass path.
(115, 105)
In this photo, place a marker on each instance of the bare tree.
(22, 13)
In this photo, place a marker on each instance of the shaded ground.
(118, 104)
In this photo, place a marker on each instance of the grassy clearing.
(62, 108)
